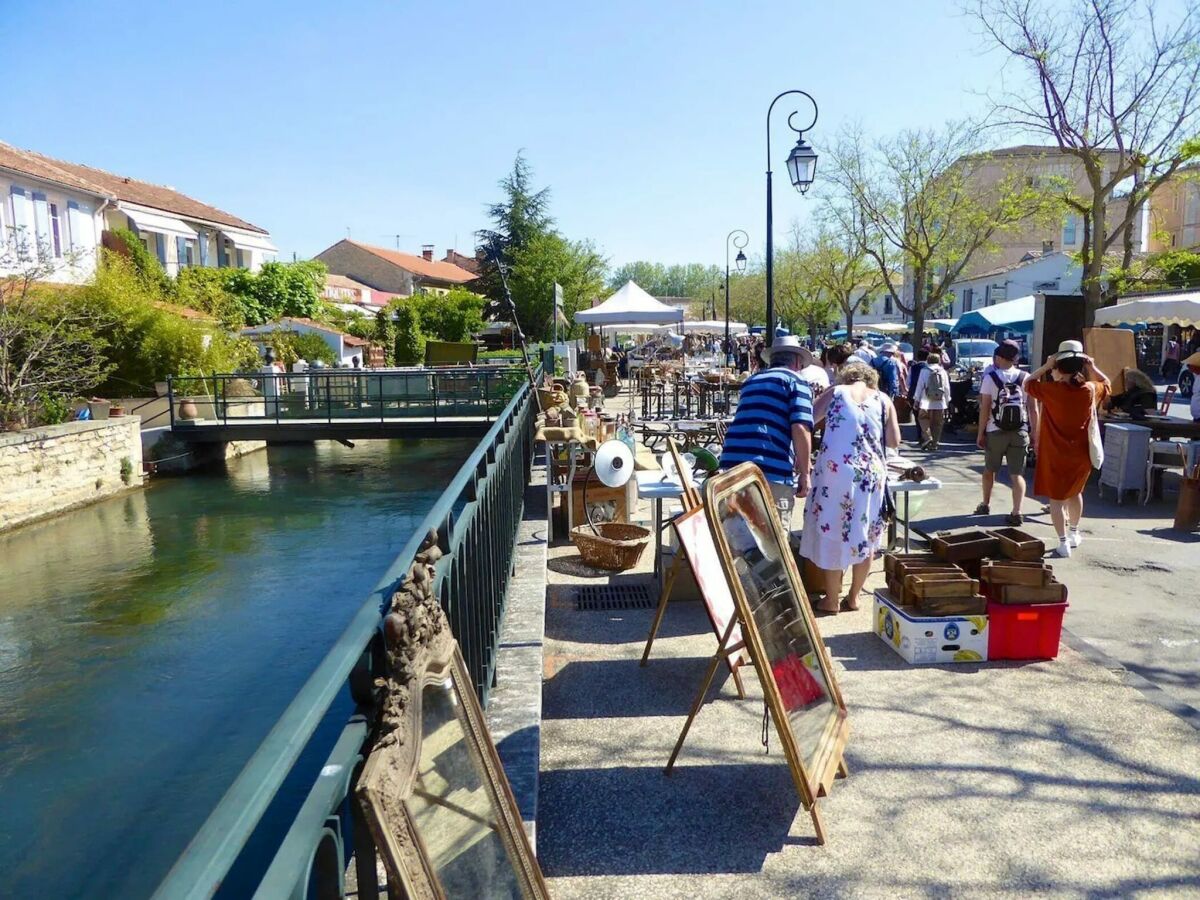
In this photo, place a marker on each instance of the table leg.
(658, 540)
(907, 524)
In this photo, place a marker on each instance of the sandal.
(847, 606)
(822, 613)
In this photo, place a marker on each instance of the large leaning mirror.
(433, 791)
(777, 622)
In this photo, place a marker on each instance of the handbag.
(1095, 445)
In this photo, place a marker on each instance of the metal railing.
(344, 395)
(476, 519)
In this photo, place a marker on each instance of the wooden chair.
(1168, 395)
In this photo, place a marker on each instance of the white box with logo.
(924, 640)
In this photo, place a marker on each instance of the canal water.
(148, 644)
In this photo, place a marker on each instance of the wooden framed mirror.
(780, 630)
(433, 790)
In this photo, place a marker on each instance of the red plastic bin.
(1025, 632)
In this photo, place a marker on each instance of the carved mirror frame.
(423, 653)
(828, 763)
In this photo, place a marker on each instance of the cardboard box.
(926, 640)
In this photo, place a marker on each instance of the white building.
(1050, 272)
(60, 213)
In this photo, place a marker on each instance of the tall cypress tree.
(520, 216)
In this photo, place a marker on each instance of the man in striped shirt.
(773, 426)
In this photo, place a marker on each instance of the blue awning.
(1016, 315)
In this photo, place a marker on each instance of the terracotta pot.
(188, 410)
(116, 411)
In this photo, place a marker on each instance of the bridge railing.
(476, 519)
(338, 395)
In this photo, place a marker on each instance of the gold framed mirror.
(780, 631)
(433, 791)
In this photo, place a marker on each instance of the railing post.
(434, 378)
(328, 399)
(171, 399)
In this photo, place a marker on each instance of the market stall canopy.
(1014, 314)
(629, 306)
(889, 327)
(945, 325)
(712, 326)
(1157, 309)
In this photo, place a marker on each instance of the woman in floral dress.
(843, 515)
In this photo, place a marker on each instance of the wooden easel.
(691, 501)
(830, 762)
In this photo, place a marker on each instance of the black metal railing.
(345, 395)
(476, 519)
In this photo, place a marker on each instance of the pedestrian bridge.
(342, 404)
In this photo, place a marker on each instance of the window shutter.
(41, 226)
(160, 248)
(180, 251)
(222, 257)
(203, 242)
(20, 217)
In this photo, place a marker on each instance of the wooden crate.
(892, 560)
(1016, 544)
(1019, 594)
(954, 606)
(895, 581)
(916, 588)
(965, 547)
(999, 572)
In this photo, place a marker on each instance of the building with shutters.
(393, 272)
(58, 213)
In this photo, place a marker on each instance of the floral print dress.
(843, 515)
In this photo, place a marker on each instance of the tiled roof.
(106, 184)
(344, 281)
(418, 265)
(1030, 150)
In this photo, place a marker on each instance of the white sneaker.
(1064, 549)
(1075, 537)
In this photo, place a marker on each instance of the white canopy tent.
(711, 326)
(1161, 309)
(629, 306)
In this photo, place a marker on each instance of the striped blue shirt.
(771, 403)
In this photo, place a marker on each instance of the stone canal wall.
(47, 470)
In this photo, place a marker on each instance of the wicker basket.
(616, 548)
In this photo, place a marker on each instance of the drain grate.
(604, 597)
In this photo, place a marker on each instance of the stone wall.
(44, 471)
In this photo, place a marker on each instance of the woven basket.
(616, 548)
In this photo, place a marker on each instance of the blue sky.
(645, 119)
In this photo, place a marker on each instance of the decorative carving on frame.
(433, 791)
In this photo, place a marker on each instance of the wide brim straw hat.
(1068, 349)
(788, 343)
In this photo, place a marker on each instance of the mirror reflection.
(758, 559)
(451, 805)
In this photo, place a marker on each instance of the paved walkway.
(997, 779)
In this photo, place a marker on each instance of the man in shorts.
(1007, 417)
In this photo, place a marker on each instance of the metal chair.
(1168, 395)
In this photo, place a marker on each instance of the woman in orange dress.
(1064, 462)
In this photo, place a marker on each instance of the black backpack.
(1008, 409)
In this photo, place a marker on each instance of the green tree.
(144, 262)
(385, 335)
(914, 204)
(1103, 75)
(410, 340)
(544, 260)
(51, 350)
(520, 216)
(290, 346)
(278, 290)
(453, 316)
(836, 272)
(207, 290)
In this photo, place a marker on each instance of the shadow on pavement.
(631, 821)
(622, 688)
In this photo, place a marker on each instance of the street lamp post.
(740, 240)
(802, 167)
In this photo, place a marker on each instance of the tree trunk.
(1094, 268)
(849, 310)
(918, 306)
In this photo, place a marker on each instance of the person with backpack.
(1007, 417)
(932, 396)
(889, 371)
